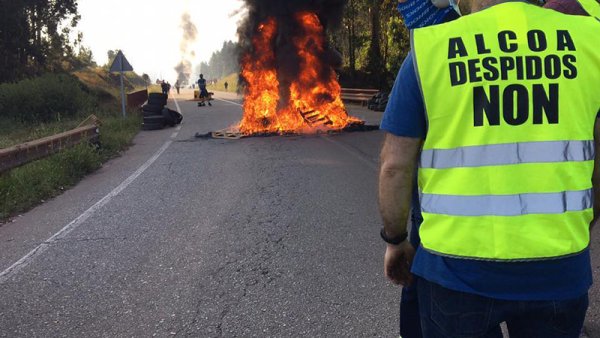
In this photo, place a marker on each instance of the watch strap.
(393, 240)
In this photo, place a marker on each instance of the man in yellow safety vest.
(498, 108)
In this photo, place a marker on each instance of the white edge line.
(9, 272)
(178, 129)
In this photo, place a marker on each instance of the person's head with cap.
(422, 13)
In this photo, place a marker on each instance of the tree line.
(36, 37)
(222, 62)
(373, 42)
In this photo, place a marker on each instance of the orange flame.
(314, 104)
(262, 92)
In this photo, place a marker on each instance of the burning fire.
(314, 104)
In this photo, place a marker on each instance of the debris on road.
(236, 134)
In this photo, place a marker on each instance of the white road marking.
(178, 109)
(237, 104)
(40, 249)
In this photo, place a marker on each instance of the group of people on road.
(166, 86)
(490, 147)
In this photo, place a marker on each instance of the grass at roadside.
(52, 103)
(231, 79)
(24, 187)
(14, 132)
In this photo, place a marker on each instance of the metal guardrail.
(21, 154)
(358, 95)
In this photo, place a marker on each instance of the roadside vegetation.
(52, 103)
(232, 81)
(33, 183)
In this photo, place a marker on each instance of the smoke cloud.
(190, 34)
(330, 13)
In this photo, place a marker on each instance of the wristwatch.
(396, 240)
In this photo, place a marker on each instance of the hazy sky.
(149, 32)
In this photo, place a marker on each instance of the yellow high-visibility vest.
(511, 95)
(592, 7)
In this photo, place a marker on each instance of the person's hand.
(397, 262)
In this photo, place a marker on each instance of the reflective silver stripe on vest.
(506, 154)
(507, 205)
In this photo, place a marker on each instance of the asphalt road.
(269, 236)
(273, 236)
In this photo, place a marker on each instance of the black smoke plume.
(330, 13)
(190, 33)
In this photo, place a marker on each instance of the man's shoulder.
(405, 111)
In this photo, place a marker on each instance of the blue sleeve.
(405, 112)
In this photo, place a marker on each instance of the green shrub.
(24, 187)
(50, 97)
(116, 133)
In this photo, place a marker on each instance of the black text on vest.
(515, 104)
(509, 87)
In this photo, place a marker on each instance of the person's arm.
(398, 163)
(596, 175)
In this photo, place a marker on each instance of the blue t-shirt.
(558, 279)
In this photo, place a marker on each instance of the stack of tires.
(157, 115)
(379, 101)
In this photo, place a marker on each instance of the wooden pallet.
(227, 134)
(314, 118)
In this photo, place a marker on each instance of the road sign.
(120, 64)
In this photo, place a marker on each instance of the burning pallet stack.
(288, 68)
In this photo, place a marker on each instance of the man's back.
(523, 89)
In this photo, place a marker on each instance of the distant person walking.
(177, 86)
(226, 85)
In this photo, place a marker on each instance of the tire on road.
(151, 114)
(152, 108)
(157, 99)
(177, 116)
(169, 118)
(153, 122)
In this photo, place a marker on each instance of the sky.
(149, 31)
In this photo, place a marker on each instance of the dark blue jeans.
(447, 313)
(410, 322)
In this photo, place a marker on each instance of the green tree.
(222, 62)
(35, 37)
(373, 42)
(146, 79)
